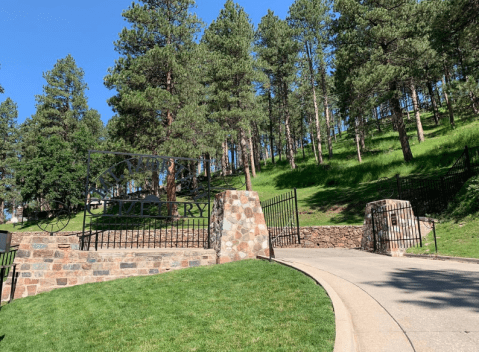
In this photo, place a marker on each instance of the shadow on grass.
(441, 289)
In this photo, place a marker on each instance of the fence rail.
(282, 221)
(112, 232)
(430, 194)
(7, 266)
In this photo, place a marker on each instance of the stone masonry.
(49, 262)
(238, 229)
(347, 236)
(404, 231)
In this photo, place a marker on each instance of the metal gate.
(282, 221)
(128, 206)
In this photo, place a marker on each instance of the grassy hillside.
(337, 194)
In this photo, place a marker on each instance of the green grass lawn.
(250, 305)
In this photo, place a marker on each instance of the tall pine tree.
(231, 74)
(158, 83)
(56, 139)
(8, 155)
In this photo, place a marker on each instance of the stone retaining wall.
(347, 236)
(48, 262)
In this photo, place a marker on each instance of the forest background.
(241, 94)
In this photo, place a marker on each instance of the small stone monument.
(237, 227)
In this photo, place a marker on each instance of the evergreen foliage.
(56, 140)
(9, 141)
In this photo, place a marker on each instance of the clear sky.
(35, 34)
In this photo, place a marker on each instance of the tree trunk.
(339, 126)
(2, 211)
(257, 147)
(361, 132)
(358, 149)
(288, 127)
(406, 105)
(319, 159)
(225, 159)
(439, 102)
(271, 135)
(326, 111)
(403, 138)
(302, 135)
(312, 139)
(280, 146)
(420, 132)
(244, 157)
(251, 154)
(171, 189)
(474, 104)
(265, 152)
(433, 102)
(448, 101)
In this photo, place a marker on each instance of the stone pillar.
(237, 228)
(404, 231)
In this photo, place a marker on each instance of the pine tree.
(311, 21)
(279, 54)
(158, 83)
(8, 155)
(372, 39)
(55, 141)
(231, 75)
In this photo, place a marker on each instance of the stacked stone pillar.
(237, 228)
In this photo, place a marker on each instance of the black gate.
(395, 226)
(282, 221)
(128, 205)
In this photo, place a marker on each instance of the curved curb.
(344, 339)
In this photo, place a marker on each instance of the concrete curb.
(344, 339)
(442, 257)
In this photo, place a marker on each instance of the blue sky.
(35, 34)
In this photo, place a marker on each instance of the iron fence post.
(297, 216)
(434, 230)
(13, 283)
(419, 228)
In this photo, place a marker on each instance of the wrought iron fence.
(7, 266)
(150, 201)
(112, 232)
(432, 194)
(282, 221)
(7, 258)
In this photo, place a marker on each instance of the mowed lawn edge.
(250, 305)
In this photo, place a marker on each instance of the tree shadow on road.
(444, 288)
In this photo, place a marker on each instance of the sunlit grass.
(250, 305)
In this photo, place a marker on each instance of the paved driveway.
(436, 303)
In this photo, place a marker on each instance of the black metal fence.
(432, 194)
(8, 267)
(282, 221)
(148, 201)
(7, 258)
(112, 232)
(396, 226)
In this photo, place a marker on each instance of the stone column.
(237, 228)
(396, 236)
